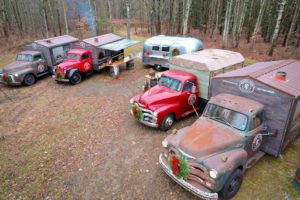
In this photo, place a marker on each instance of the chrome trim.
(146, 123)
(186, 185)
(62, 80)
(186, 155)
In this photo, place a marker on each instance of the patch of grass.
(7, 60)
(250, 62)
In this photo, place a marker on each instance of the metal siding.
(276, 103)
(203, 79)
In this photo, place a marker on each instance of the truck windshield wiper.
(219, 118)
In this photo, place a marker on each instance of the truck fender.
(22, 73)
(72, 71)
(225, 163)
(164, 110)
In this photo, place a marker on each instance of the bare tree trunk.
(52, 18)
(217, 20)
(58, 22)
(250, 17)
(241, 22)
(257, 24)
(235, 22)
(170, 18)
(227, 23)
(65, 16)
(46, 23)
(128, 19)
(158, 23)
(187, 9)
(110, 15)
(179, 16)
(293, 24)
(277, 26)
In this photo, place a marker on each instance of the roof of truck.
(265, 72)
(29, 52)
(78, 51)
(56, 41)
(237, 103)
(208, 59)
(102, 39)
(180, 75)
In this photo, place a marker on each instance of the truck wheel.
(76, 78)
(158, 68)
(232, 185)
(167, 123)
(29, 79)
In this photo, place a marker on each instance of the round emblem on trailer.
(86, 66)
(246, 86)
(256, 142)
(82, 44)
(41, 68)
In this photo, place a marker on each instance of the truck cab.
(78, 63)
(217, 148)
(175, 96)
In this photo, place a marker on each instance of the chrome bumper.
(13, 81)
(62, 80)
(153, 125)
(185, 184)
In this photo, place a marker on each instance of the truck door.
(86, 62)
(186, 93)
(39, 64)
(254, 136)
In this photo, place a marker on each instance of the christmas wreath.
(179, 166)
(137, 112)
(175, 52)
(59, 75)
(6, 78)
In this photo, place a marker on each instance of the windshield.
(24, 57)
(73, 56)
(226, 116)
(171, 83)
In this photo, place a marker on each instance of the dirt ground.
(59, 141)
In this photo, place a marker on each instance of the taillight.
(148, 53)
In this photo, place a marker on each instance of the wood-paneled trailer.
(276, 85)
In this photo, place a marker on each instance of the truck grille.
(147, 114)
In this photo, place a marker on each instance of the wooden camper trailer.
(276, 85)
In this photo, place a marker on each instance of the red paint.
(148, 53)
(4, 77)
(164, 100)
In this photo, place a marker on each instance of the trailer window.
(257, 120)
(226, 116)
(24, 57)
(155, 48)
(171, 83)
(166, 49)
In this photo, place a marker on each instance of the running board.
(188, 112)
(252, 161)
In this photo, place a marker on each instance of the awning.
(119, 45)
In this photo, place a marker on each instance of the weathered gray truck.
(37, 60)
(253, 111)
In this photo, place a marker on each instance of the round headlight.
(164, 144)
(16, 75)
(213, 173)
(131, 101)
(155, 113)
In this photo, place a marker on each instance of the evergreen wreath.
(179, 166)
(137, 112)
(59, 75)
(6, 78)
(175, 52)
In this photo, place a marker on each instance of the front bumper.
(60, 79)
(13, 82)
(151, 124)
(199, 191)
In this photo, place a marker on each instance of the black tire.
(76, 78)
(29, 79)
(158, 68)
(167, 123)
(232, 185)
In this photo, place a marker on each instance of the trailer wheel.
(232, 185)
(29, 79)
(76, 78)
(167, 123)
(158, 68)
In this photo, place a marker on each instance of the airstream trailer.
(158, 49)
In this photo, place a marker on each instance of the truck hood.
(206, 137)
(15, 66)
(67, 64)
(158, 94)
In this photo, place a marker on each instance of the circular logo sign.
(86, 66)
(192, 99)
(246, 86)
(256, 142)
(82, 44)
(41, 67)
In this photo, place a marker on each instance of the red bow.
(175, 162)
(4, 77)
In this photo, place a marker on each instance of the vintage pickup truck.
(93, 54)
(37, 60)
(253, 111)
(184, 88)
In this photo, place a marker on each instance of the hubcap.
(29, 79)
(76, 77)
(234, 183)
(158, 67)
(169, 121)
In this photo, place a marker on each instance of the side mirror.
(193, 89)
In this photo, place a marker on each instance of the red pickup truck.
(184, 88)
